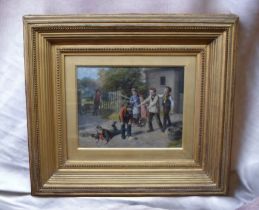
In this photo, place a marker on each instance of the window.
(162, 80)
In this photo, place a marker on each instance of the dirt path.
(140, 138)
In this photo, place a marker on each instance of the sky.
(89, 72)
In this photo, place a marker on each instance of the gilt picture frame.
(85, 76)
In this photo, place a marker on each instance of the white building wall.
(172, 80)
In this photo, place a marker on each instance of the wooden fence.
(111, 101)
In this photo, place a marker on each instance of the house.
(167, 76)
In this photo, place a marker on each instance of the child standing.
(167, 103)
(153, 109)
(143, 108)
(97, 102)
(125, 117)
(135, 102)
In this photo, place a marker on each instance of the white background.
(14, 167)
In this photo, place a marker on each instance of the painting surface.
(130, 107)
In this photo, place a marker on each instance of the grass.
(176, 143)
(114, 116)
(110, 115)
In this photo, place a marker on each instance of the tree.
(88, 83)
(123, 79)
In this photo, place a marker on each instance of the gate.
(110, 102)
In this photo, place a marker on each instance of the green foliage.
(110, 115)
(87, 82)
(176, 143)
(106, 113)
(122, 79)
(114, 117)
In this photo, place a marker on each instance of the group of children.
(138, 108)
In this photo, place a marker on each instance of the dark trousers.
(115, 130)
(124, 126)
(150, 118)
(166, 120)
(96, 109)
(109, 134)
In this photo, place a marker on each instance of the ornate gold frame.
(203, 43)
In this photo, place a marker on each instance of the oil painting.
(130, 107)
